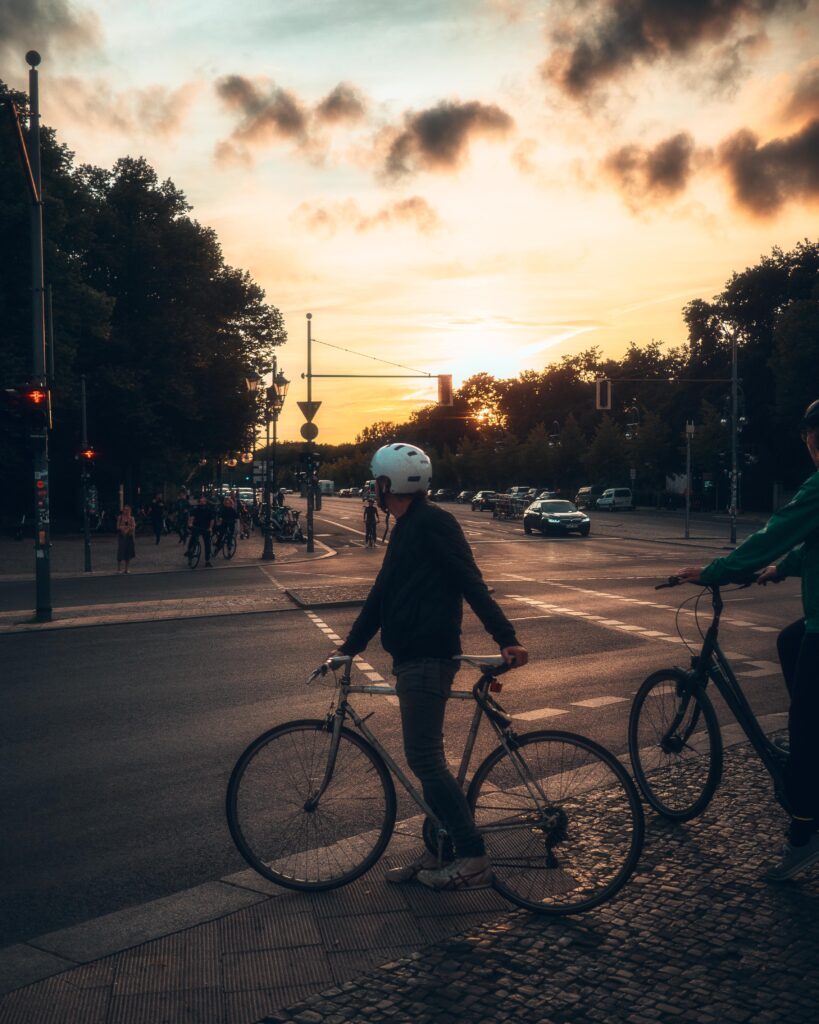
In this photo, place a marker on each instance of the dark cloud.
(804, 102)
(344, 103)
(645, 175)
(40, 25)
(414, 212)
(765, 177)
(267, 113)
(437, 139)
(612, 36)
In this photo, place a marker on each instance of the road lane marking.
(531, 716)
(762, 668)
(598, 702)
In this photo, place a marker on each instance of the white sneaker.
(794, 859)
(466, 873)
(426, 862)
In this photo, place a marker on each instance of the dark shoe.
(794, 859)
(465, 873)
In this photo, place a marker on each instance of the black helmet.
(810, 421)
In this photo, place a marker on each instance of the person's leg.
(788, 645)
(206, 543)
(802, 770)
(423, 688)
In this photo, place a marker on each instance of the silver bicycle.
(311, 804)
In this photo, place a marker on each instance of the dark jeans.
(423, 687)
(799, 656)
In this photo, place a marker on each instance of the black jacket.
(416, 599)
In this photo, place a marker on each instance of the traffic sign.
(309, 431)
(309, 410)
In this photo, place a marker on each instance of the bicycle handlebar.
(741, 581)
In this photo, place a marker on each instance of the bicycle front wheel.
(194, 554)
(293, 839)
(675, 745)
(229, 546)
(561, 820)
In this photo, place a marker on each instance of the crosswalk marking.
(598, 702)
(531, 716)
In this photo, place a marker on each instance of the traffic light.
(35, 401)
(603, 394)
(88, 454)
(445, 389)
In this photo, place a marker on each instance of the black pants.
(423, 687)
(204, 536)
(799, 657)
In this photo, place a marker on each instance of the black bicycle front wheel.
(194, 554)
(288, 835)
(229, 546)
(675, 745)
(561, 819)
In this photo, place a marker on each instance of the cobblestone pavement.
(694, 937)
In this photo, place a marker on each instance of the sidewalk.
(694, 937)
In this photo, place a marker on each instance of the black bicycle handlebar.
(742, 581)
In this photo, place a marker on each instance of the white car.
(614, 498)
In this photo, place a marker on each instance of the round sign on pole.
(309, 431)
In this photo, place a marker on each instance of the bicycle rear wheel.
(675, 745)
(280, 833)
(561, 819)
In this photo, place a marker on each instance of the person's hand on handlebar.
(690, 574)
(515, 657)
(770, 574)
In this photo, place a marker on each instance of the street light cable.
(378, 359)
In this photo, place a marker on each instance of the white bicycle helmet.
(407, 468)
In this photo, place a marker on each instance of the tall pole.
(689, 433)
(42, 528)
(86, 525)
(310, 474)
(268, 554)
(734, 429)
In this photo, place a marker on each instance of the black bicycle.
(194, 552)
(674, 737)
(226, 543)
(311, 804)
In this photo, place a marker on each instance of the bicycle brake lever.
(673, 581)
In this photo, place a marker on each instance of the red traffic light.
(88, 454)
(35, 396)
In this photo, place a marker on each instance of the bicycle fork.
(334, 726)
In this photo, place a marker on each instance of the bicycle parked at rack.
(674, 737)
(312, 804)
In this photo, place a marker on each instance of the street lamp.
(274, 403)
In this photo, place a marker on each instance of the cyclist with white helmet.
(791, 536)
(417, 603)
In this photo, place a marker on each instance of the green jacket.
(792, 531)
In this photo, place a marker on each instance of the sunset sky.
(457, 185)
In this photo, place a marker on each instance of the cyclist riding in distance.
(417, 603)
(791, 535)
(370, 519)
(226, 521)
(200, 522)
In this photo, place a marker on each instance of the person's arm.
(786, 529)
(791, 564)
(368, 622)
(451, 550)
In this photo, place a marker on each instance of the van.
(586, 497)
(326, 487)
(616, 497)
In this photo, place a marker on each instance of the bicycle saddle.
(481, 660)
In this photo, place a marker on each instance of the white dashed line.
(530, 716)
(598, 702)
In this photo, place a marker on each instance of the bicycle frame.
(711, 663)
(484, 706)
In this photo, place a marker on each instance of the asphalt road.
(117, 741)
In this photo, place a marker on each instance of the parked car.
(545, 495)
(484, 501)
(616, 497)
(556, 516)
(518, 491)
(465, 497)
(586, 497)
(443, 494)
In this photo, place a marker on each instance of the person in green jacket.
(791, 536)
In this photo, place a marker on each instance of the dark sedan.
(484, 500)
(555, 517)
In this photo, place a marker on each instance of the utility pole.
(734, 430)
(30, 153)
(309, 436)
(86, 525)
(689, 433)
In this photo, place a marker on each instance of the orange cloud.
(413, 211)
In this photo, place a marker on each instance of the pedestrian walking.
(126, 528)
(156, 512)
(387, 515)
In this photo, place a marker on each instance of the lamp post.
(274, 403)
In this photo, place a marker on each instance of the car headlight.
(555, 521)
